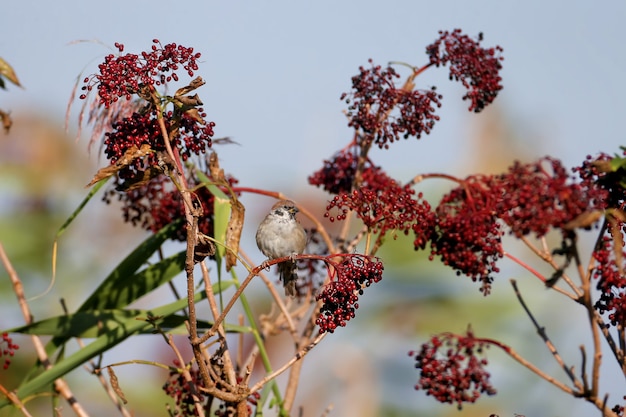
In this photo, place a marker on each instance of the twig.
(253, 273)
(595, 332)
(277, 299)
(94, 370)
(299, 355)
(228, 364)
(542, 333)
(547, 257)
(15, 400)
(59, 384)
(538, 274)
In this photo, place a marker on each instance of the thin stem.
(228, 364)
(299, 355)
(537, 274)
(542, 333)
(59, 384)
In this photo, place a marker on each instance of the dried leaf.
(233, 232)
(227, 140)
(195, 83)
(139, 181)
(615, 226)
(583, 220)
(195, 115)
(217, 174)
(6, 121)
(188, 101)
(115, 385)
(130, 154)
(205, 247)
(7, 71)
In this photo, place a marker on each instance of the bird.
(279, 235)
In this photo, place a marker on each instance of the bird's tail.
(288, 275)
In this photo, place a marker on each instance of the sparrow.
(280, 235)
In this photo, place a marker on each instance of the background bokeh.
(274, 72)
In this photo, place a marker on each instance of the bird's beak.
(293, 210)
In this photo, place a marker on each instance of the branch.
(59, 384)
(542, 333)
(299, 355)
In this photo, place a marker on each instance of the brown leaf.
(602, 166)
(583, 220)
(6, 121)
(7, 71)
(217, 174)
(188, 101)
(227, 140)
(195, 83)
(205, 247)
(233, 232)
(615, 226)
(115, 385)
(146, 176)
(195, 115)
(130, 154)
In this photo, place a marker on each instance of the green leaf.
(109, 338)
(123, 286)
(80, 207)
(91, 324)
(617, 163)
(221, 213)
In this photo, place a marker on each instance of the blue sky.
(275, 70)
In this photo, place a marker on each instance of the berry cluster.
(135, 130)
(373, 100)
(124, 75)
(476, 67)
(341, 295)
(380, 202)
(611, 280)
(180, 390)
(196, 135)
(337, 175)
(468, 235)
(603, 181)
(157, 204)
(8, 350)
(192, 137)
(535, 198)
(450, 369)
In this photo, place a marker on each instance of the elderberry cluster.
(385, 112)
(379, 201)
(125, 74)
(611, 281)
(603, 181)
(476, 67)
(539, 196)
(467, 233)
(341, 295)
(8, 350)
(192, 137)
(337, 175)
(157, 203)
(451, 369)
(181, 391)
